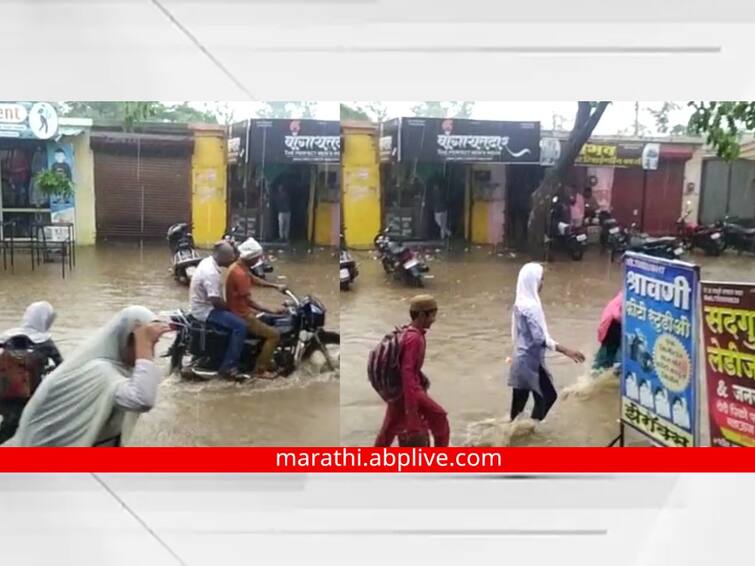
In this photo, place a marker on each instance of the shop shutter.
(119, 181)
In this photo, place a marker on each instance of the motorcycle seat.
(741, 230)
(658, 241)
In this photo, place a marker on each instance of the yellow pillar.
(360, 184)
(208, 190)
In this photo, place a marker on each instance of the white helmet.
(250, 249)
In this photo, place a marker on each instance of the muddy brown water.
(468, 345)
(299, 410)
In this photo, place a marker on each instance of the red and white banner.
(375, 460)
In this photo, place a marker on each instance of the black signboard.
(295, 141)
(450, 139)
(388, 142)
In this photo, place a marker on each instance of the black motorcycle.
(739, 234)
(666, 247)
(572, 239)
(348, 267)
(199, 347)
(612, 237)
(262, 267)
(185, 256)
(399, 260)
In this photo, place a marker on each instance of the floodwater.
(299, 410)
(468, 345)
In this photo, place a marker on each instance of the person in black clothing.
(283, 207)
(26, 354)
(440, 205)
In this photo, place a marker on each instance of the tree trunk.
(538, 227)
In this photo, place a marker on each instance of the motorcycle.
(399, 260)
(348, 267)
(611, 235)
(667, 247)
(710, 239)
(573, 239)
(185, 256)
(263, 266)
(739, 235)
(198, 348)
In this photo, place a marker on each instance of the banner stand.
(619, 439)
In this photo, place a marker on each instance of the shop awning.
(433, 140)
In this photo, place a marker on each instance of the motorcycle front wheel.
(325, 341)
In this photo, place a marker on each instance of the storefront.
(143, 181)
(728, 187)
(451, 178)
(283, 180)
(34, 139)
(641, 181)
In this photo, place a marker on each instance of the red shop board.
(729, 333)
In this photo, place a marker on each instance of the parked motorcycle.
(633, 240)
(236, 238)
(739, 234)
(612, 237)
(572, 239)
(710, 239)
(199, 347)
(185, 256)
(399, 260)
(348, 266)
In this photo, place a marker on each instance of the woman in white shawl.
(96, 395)
(531, 339)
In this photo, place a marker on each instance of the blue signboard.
(659, 349)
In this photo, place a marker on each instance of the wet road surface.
(468, 345)
(299, 410)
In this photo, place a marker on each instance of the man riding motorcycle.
(240, 302)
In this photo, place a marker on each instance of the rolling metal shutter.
(140, 193)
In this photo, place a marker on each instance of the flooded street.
(298, 410)
(468, 345)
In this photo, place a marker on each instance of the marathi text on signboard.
(442, 140)
(295, 141)
(620, 155)
(729, 352)
(659, 348)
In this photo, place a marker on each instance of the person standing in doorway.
(440, 206)
(283, 207)
(531, 339)
(411, 414)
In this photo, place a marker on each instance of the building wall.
(360, 187)
(488, 215)
(208, 171)
(86, 225)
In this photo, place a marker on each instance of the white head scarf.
(250, 249)
(528, 300)
(35, 325)
(72, 404)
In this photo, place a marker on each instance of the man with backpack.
(395, 371)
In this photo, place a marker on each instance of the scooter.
(198, 348)
(573, 239)
(185, 256)
(710, 239)
(236, 238)
(399, 260)
(739, 234)
(348, 271)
